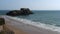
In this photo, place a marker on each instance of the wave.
(37, 24)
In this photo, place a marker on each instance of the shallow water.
(51, 17)
(47, 17)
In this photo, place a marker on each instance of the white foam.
(38, 24)
(32, 27)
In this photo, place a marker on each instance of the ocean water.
(51, 17)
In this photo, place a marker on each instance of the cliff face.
(22, 11)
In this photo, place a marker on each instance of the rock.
(26, 11)
(2, 21)
(22, 11)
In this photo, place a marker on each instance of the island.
(22, 11)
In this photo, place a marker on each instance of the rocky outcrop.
(22, 11)
(2, 21)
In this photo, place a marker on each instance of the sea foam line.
(37, 24)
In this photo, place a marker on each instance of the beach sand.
(15, 30)
(22, 27)
(11, 28)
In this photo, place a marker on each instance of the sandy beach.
(24, 27)
(8, 27)
(15, 30)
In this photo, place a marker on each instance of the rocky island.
(22, 11)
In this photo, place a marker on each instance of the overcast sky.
(32, 4)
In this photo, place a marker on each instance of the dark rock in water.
(22, 11)
(2, 21)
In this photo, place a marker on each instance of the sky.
(31, 4)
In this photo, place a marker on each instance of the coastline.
(30, 29)
(8, 28)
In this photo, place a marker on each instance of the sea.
(49, 17)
